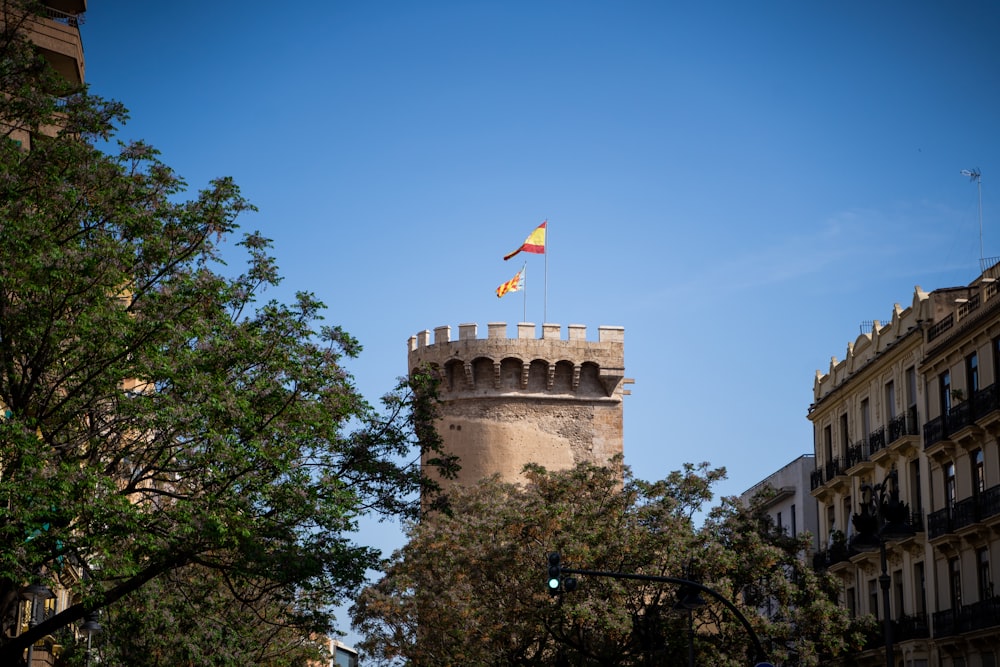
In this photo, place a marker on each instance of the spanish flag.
(534, 243)
(515, 284)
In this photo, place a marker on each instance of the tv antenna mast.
(977, 176)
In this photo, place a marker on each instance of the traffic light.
(556, 584)
(555, 573)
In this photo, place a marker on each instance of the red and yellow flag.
(534, 243)
(515, 284)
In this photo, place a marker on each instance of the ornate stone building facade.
(917, 400)
(507, 401)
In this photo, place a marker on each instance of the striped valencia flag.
(515, 284)
(534, 243)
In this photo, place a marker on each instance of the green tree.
(193, 616)
(158, 416)
(771, 572)
(469, 587)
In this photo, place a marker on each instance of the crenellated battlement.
(551, 364)
(525, 331)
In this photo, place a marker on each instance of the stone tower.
(506, 401)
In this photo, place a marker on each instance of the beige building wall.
(919, 396)
(506, 401)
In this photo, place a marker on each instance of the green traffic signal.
(555, 573)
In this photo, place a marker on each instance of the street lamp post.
(90, 627)
(690, 601)
(883, 517)
(35, 594)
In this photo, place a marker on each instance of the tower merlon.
(525, 331)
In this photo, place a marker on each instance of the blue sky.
(738, 184)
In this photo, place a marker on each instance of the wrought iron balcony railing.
(72, 20)
(940, 327)
(967, 618)
(876, 440)
(980, 404)
(903, 425)
(965, 512)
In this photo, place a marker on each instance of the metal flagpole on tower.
(524, 301)
(545, 298)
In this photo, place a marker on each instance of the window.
(944, 393)
(795, 530)
(847, 516)
(996, 360)
(983, 574)
(955, 583)
(890, 400)
(344, 657)
(866, 418)
(844, 436)
(777, 523)
(911, 387)
(971, 375)
(921, 592)
(916, 501)
(978, 472)
(949, 485)
(828, 442)
(897, 590)
(852, 605)
(873, 598)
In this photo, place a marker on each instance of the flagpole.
(545, 297)
(524, 301)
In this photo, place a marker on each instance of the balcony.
(934, 432)
(833, 468)
(939, 523)
(984, 402)
(837, 553)
(815, 479)
(57, 35)
(876, 441)
(940, 327)
(968, 618)
(903, 427)
(964, 414)
(67, 6)
(857, 453)
(825, 473)
(904, 628)
(964, 513)
(864, 450)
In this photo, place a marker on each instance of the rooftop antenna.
(977, 176)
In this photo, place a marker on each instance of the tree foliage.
(159, 418)
(468, 588)
(191, 616)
